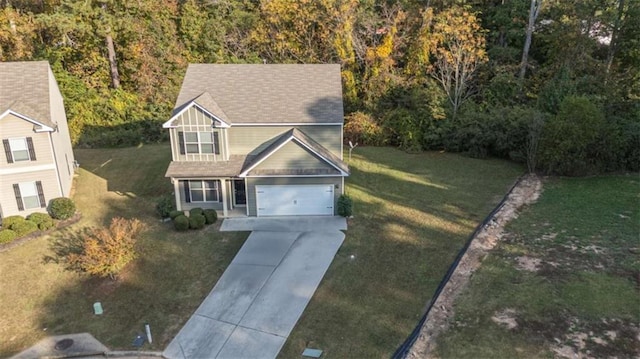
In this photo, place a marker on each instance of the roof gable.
(25, 92)
(203, 103)
(267, 94)
(330, 163)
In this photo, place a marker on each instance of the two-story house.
(38, 164)
(259, 140)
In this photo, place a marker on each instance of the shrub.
(174, 214)
(165, 206)
(7, 222)
(211, 216)
(62, 208)
(345, 206)
(23, 228)
(106, 251)
(181, 223)
(363, 129)
(42, 220)
(194, 211)
(7, 235)
(196, 221)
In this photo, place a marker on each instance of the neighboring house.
(258, 140)
(38, 164)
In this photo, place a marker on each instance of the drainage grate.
(63, 344)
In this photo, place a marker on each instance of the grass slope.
(173, 273)
(413, 212)
(584, 297)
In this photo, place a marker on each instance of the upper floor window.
(29, 195)
(199, 143)
(19, 149)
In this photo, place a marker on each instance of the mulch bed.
(59, 225)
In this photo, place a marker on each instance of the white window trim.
(200, 143)
(13, 151)
(216, 187)
(25, 189)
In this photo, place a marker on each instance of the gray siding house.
(38, 162)
(258, 140)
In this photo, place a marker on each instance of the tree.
(534, 11)
(459, 48)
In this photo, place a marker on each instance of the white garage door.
(294, 200)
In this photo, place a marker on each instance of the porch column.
(223, 189)
(176, 192)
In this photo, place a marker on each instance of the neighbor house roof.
(265, 94)
(25, 92)
(305, 141)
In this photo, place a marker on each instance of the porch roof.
(207, 169)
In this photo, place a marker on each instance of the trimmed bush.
(7, 235)
(23, 228)
(196, 221)
(181, 223)
(61, 208)
(7, 222)
(165, 206)
(42, 220)
(174, 214)
(345, 206)
(194, 211)
(211, 216)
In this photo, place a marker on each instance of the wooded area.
(554, 83)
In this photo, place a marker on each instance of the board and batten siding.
(252, 182)
(13, 127)
(194, 120)
(292, 156)
(50, 188)
(253, 139)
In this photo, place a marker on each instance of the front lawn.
(566, 277)
(412, 214)
(173, 273)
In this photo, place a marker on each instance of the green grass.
(162, 287)
(586, 233)
(413, 213)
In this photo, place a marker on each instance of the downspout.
(55, 161)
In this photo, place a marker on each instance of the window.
(19, 149)
(29, 195)
(202, 191)
(199, 142)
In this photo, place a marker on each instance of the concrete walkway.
(293, 224)
(259, 298)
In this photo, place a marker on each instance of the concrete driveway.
(256, 303)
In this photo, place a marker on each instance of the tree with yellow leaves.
(458, 46)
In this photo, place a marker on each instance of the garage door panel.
(294, 200)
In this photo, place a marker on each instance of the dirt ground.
(525, 192)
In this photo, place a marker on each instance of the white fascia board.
(44, 128)
(193, 103)
(343, 173)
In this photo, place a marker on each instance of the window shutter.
(187, 195)
(216, 143)
(32, 152)
(7, 151)
(181, 142)
(16, 190)
(43, 203)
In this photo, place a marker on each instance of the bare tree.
(534, 11)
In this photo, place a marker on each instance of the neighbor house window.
(199, 142)
(19, 149)
(29, 195)
(202, 191)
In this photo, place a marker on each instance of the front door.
(239, 194)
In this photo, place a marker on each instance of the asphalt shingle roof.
(265, 93)
(24, 88)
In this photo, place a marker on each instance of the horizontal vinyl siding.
(253, 139)
(292, 156)
(12, 127)
(50, 188)
(61, 140)
(253, 182)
